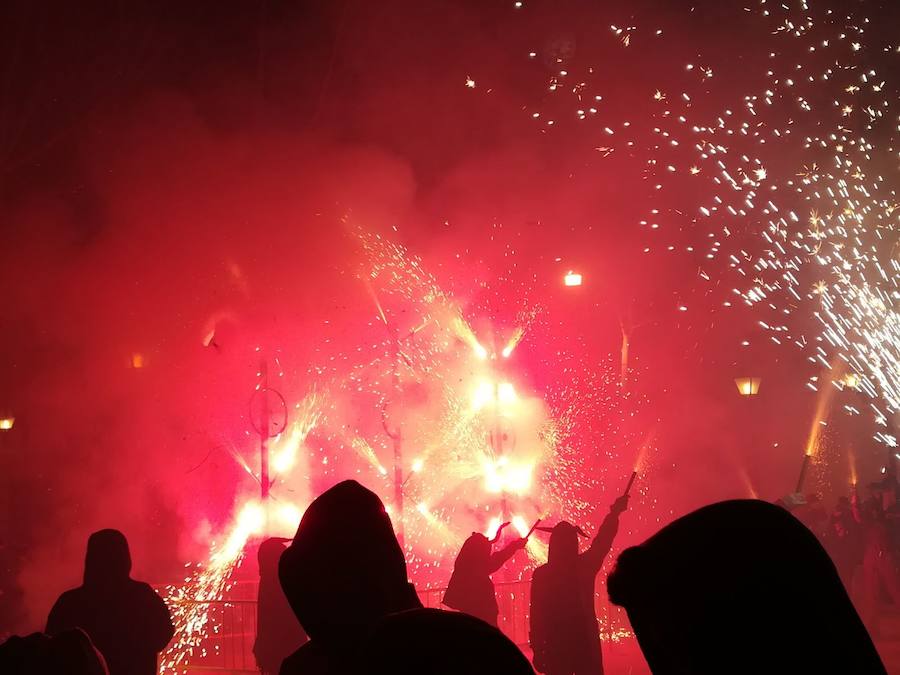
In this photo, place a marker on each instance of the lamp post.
(394, 433)
(263, 404)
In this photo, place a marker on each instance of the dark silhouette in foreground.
(343, 572)
(278, 633)
(126, 620)
(879, 570)
(470, 589)
(740, 587)
(564, 633)
(435, 642)
(71, 652)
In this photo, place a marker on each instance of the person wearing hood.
(125, 619)
(437, 642)
(564, 634)
(343, 572)
(277, 631)
(470, 589)
(740, 587)
(70, 652)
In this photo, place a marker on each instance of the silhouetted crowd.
(862, 536)
(735, 587)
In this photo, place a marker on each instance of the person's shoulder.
(142, 589)
(71, 596)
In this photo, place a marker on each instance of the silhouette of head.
(344, 569)
(563, 547)
(740, 587)
(108, 559)
(475, 554)
(435, 642)
(69, 652)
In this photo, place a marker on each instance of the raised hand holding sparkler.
(630, 482)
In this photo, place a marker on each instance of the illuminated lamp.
(748, 386)
(572, 279)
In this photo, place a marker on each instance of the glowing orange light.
(748, 386)
(506, 393)
(137, 360)
(492, 527)
(521, 526)
(851, 380)
(251, 519)
(7, 423)
(483, 395)
(501, 475)
(820, 419)
(289, 515)
(572, 279)
(514, 341)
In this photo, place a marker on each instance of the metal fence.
(229, 647)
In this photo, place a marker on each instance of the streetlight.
(572, 279)
(748, 386)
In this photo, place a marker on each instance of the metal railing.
(229, 646)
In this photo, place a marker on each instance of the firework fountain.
(783, 193)
(478, 447)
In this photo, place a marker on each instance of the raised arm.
(499, 558)
(599, 548)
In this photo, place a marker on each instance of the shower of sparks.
(189, 601)
(791, 183)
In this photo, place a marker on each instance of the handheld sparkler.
(630, 483)
(533, 528)
(498, 532)
(802, 477)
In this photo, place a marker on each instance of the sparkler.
(630, 483)
(810, 154)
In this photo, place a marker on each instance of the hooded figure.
(564, 633)
(844, 539)
(343, 572)
(126, 620)
(470, 589)
(70, 652)
(879, 570)
(277, 631)
(435, 642)
(740, 587)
